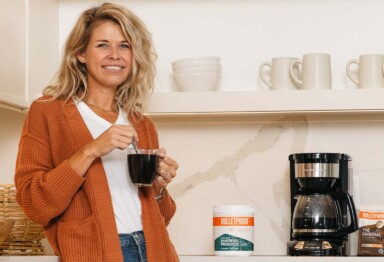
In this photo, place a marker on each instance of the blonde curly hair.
(70, 80)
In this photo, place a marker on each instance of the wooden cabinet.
(29, 49)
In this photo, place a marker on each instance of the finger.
(167, 177)
(162, 153)
(161, 181)
(171, 162)
(126, 131)
(122, 135)
(121, 142)
(165, 174)
(165, 168)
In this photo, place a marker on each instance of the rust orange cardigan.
(76, 212)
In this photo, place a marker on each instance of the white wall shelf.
(355, 101)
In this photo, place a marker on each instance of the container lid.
(319, 157)
(233, 209)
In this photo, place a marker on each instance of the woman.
(71, 171)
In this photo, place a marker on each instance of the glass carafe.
(320, 215)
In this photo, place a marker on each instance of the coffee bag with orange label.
(371, 231)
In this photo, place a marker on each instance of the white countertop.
(275, 259)
(213, 259)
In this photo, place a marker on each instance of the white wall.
(10, 129)
(247, 32)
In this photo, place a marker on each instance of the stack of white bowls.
(197, 74)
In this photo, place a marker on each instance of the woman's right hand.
(117, 136)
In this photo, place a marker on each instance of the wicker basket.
(18, 234)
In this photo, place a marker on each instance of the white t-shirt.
(125, 196)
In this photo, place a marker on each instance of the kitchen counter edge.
(211, 259)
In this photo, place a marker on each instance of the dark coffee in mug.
(142, 167)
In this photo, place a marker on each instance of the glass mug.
(142, 165)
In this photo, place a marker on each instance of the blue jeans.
(133, 247)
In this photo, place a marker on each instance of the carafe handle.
(341, 198)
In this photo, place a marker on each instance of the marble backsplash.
(246, 162)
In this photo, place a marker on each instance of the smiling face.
(108, 57)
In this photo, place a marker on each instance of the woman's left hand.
(166, 170)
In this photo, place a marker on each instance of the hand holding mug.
(167, 169)
(149, 167)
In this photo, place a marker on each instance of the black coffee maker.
(322, 211)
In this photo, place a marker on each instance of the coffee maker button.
(326, 245)
(299, 245)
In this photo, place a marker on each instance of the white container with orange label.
(233, 230)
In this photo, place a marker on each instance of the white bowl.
(195, 65)
(215, 59)
(200, 69)
(197, 82)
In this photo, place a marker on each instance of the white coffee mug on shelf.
(370, 71)
(280, 78)
(315, 71)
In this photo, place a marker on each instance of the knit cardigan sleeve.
(44, 190)
(167, 208)
(167, 205)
